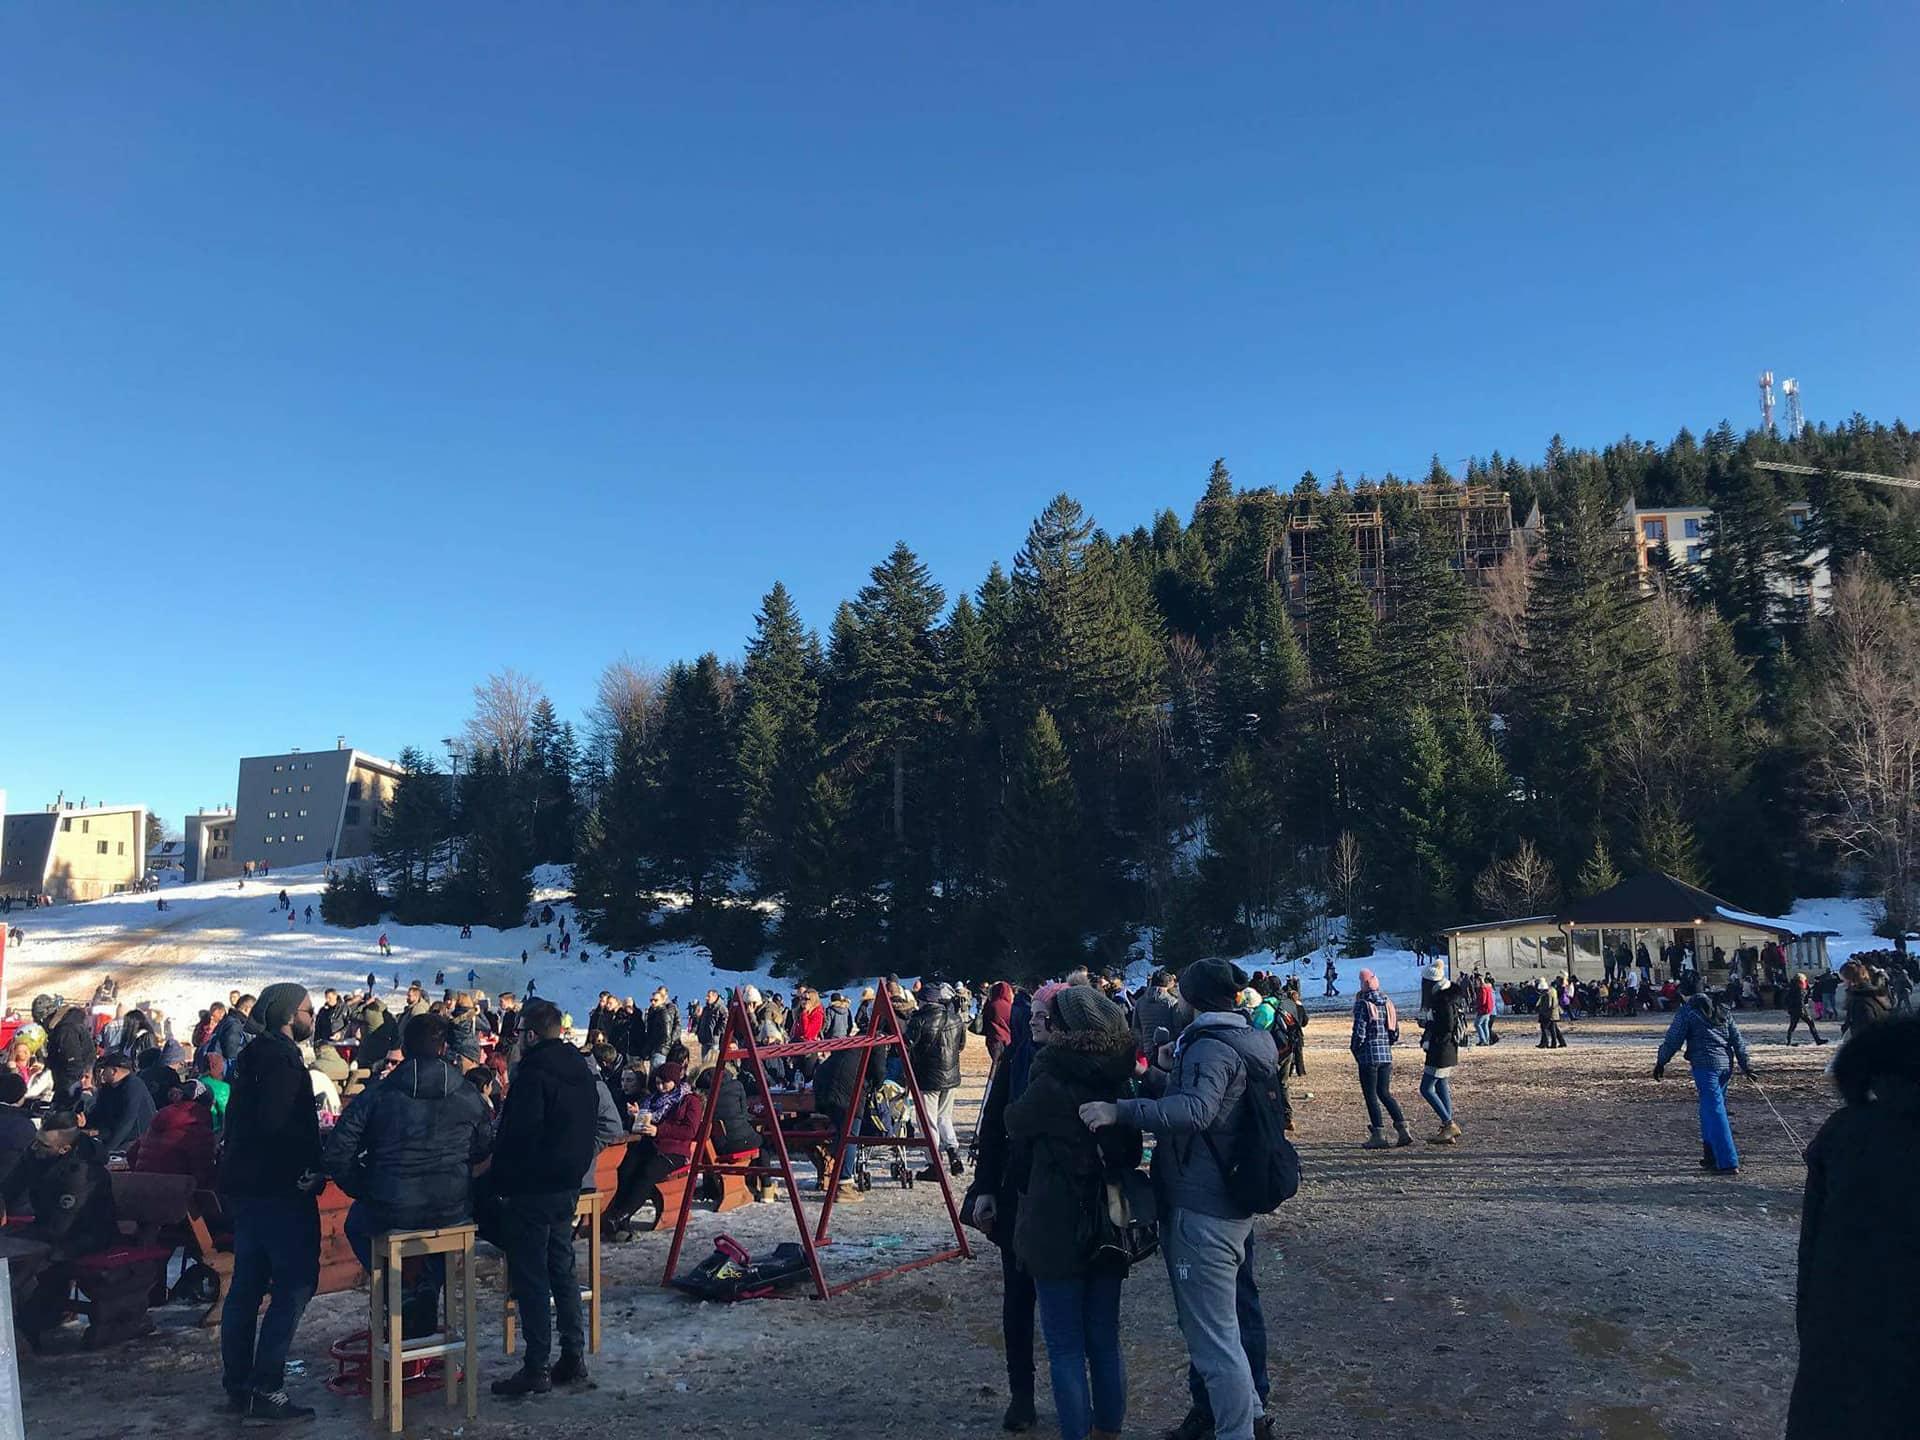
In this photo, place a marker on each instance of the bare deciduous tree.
(502, 719)
(1495, 642)
(1863, 725)
(1522, 883)
(1346, 870)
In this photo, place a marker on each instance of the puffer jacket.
(406, 1146)
(69, 1052)
(1712, 1040)
(1160, 1009)
(179, 1142)
(71, 1196)
(935, 1037)
(1057, 1162)
(1443, 1051)
(1202, 1100)
(733, 1132)
(839, 1025)
(833, 1081)
(549, 1124)
(997, 1022)
(1857, 1277)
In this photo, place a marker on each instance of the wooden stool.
(387, 1352)
(587, 1213)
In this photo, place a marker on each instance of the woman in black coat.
(1855, 1310)
(1437, 1037)
(1062, 1166)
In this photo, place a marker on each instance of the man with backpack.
(1223, 1156)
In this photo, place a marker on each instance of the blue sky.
(352, 352)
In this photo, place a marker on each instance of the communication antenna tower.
(1766, 401)
(1796, 422)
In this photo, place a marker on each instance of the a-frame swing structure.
(884, 1036)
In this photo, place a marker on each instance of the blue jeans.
(276, 1251)
(1081, 1319)
(1375, 1083)
(1716, 1131)
(537, 1234)
(1483, 1029)
(1437, 1091)
(1253, 1338)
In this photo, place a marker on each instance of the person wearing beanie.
(1060, 1167)
(122, 1109)
(69, 1051)
(1160, 1008)
(270, 1181)
(1547, 1010)
(1376, 1030)
(1205, 1233)
(936, 1037)
(1439, 1037)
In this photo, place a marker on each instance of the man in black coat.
(405, 1149)
(70, 1048)
(122, 1107)
(545, 1143)
(935, 1037)
(663, 1026)
(63, 1175)
(270, 1182)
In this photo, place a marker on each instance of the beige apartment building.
(74, 852)
(305, 807)
(1685, 531)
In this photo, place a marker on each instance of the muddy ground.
(1567, 1270)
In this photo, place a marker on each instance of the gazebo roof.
(1656, 900)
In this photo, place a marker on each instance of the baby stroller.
(889, 1112)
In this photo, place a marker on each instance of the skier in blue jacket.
(1713, 1047)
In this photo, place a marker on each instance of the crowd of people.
(470, 1108)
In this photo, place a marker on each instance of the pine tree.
(1036, 859)
(612, 879)
(1598, 873)
(554, 759)
(692, 825)
(413, 836)
(778, 737)
(491, 880)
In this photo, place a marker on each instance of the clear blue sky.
(352, 351)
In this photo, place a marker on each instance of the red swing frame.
(884, 1034)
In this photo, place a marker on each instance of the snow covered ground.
(222, 935)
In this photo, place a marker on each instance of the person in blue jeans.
(1376, 1029)
(1061, 1167)
(1713, 1047)
(269, 1181)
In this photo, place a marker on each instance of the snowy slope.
(222, 936)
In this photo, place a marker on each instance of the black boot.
(1020, 1412)
(954, 1165)
(569, 1370)
(1197, 1425)
(522, 1383)
(276, 1409)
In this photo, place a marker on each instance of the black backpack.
(1265, 1171)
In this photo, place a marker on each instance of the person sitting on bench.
(405, 1149)
(63, 1177)
(181, 1140)
(122, 1109)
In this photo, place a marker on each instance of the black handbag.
(1126, 1227)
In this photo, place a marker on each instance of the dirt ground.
(1567, 1270)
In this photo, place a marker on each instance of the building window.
(1693, 529)
(99, 847)
(1654, 529)
(1798, 519)
(353, 790)
(306, 789)
(299, 837)
(266, 839)
(1694, 552)
(85, 826)
(66, 825)
(123, 847)
(353, 814)
(283, 839)
(303, 814)
(278, 768)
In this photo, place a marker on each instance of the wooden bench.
(210, 1241)
(115, 1287)
(733, 1188)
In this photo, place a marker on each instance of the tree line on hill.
(1147, 732)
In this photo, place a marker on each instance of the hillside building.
(302, 808)
(208, 840)
(1685, 533)
(74, 852)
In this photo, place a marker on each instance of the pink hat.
(1043, 997)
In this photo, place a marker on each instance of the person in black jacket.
(993, 1203)
(1437, 1037)
(712, 1021)
(70, 1049)
(1854, 1307)
(64, 1177)
(405, 1149)
(935, 1036)
(662, 1026)
(270, 1180)
(545, 1143)
(122, 1107)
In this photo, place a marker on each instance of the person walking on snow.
(1376, 1030)
(385, 948)
(1331, 974)
(1713, 1046)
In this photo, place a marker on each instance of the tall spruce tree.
(412, 839)
(612, 876)
(693, 819)
(1038, 852)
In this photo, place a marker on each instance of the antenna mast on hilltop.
(1796, 422)
(1766, 400)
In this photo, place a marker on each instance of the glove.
(1659, 1072)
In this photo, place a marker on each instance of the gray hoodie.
(1202, 1101)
